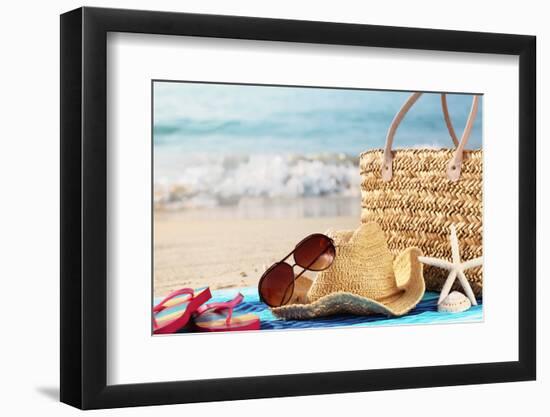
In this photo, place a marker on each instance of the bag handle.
(447, 118)
(455, 164)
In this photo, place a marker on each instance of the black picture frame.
(84, 207)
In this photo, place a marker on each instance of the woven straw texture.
(419, 204)
(363, 279)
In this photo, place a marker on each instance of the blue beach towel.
(424, 313)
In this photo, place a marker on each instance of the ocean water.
(218, 145)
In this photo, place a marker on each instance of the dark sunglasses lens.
(277, 285)
(316, 253)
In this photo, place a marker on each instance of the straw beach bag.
(416, 194)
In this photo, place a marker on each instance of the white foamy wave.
(209, 181)
(433, 146)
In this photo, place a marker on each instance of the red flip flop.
(218, 317)
(172, 322)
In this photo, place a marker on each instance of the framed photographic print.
(360, 196)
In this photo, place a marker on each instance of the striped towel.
(424, 313)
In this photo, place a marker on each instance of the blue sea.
(217, 144)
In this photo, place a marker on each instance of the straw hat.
(364, 279)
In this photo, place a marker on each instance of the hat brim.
(409, 280)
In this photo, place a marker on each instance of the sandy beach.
(221, 248)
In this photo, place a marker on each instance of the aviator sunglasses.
(314, 253)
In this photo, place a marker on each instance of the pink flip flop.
(172, 322)
(218, 317)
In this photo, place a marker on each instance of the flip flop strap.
(219, 306)
(160, 306)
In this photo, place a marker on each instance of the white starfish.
(456, 268)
